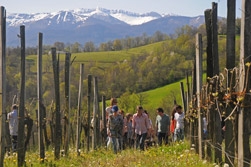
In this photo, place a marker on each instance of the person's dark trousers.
(131, 143)
(125, 141)
(162, 137)
(140, 141)
(14, 143)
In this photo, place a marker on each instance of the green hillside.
(161, 97)
(108, 56)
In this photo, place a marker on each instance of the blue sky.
(180, 7)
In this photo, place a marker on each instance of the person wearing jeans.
(162, 126)
(141, 127)
(179, 124)
(115, 129)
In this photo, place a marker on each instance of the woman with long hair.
(173, 122)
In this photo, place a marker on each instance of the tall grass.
(173, 155)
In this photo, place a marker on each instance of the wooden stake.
(208, 21)
(210, 66)
(104, 118)
(199, 86)
(78, 133)
(55, 64)
(245, 86)
(183, 96)
(20, 139)
(40, 95)
(67, 101)
(89, 111)
(2, 82)
(95, 115)
(188, 90)
(229, 135)
(215, 38)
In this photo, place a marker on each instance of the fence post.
(217, 129)
(95, 115)
(104, 118)
(183, 96)
(79, 108)
(215, 38)
(245, 85)
(89, 110)
(20, 139)
(199, 87)
(55, 64)
(230, 62)
(2, 82)
(67, 101)
(39, 94)
(193, 86)
(208, 22)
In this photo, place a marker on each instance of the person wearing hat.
(115, 128)
(13, 126)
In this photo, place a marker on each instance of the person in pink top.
(141, 127)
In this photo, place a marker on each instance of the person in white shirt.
(179, 124)
(13, 126)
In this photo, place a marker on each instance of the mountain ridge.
(97, 25)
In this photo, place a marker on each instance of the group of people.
(128, 130)
(134, 129)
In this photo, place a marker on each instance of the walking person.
(162, 126)
(13, 126)
(108, 113)
(179, 124)
(130, 139)
(141, 127)
(173, 123)
(124, 134)
(115, 129)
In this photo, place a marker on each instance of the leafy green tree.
(117, 45)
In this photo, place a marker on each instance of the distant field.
(108, 56)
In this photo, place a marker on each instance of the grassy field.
(155, 96)
(169, 92)
(174, 155)
(108, 56)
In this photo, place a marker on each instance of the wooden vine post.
(199, 87)
(89, 110)
(244, 87)
(95, 115)
(67, 101)
(104, 119)
(99, 137)
(2, 82)
(78, 137)
(55, 64)
(217, 123)
(39, 96)
(208, 22)
(20, 139)
(192, 119)
(183, 96)
(230, 64)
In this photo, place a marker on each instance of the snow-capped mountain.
(97, 25)
(80, 15)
